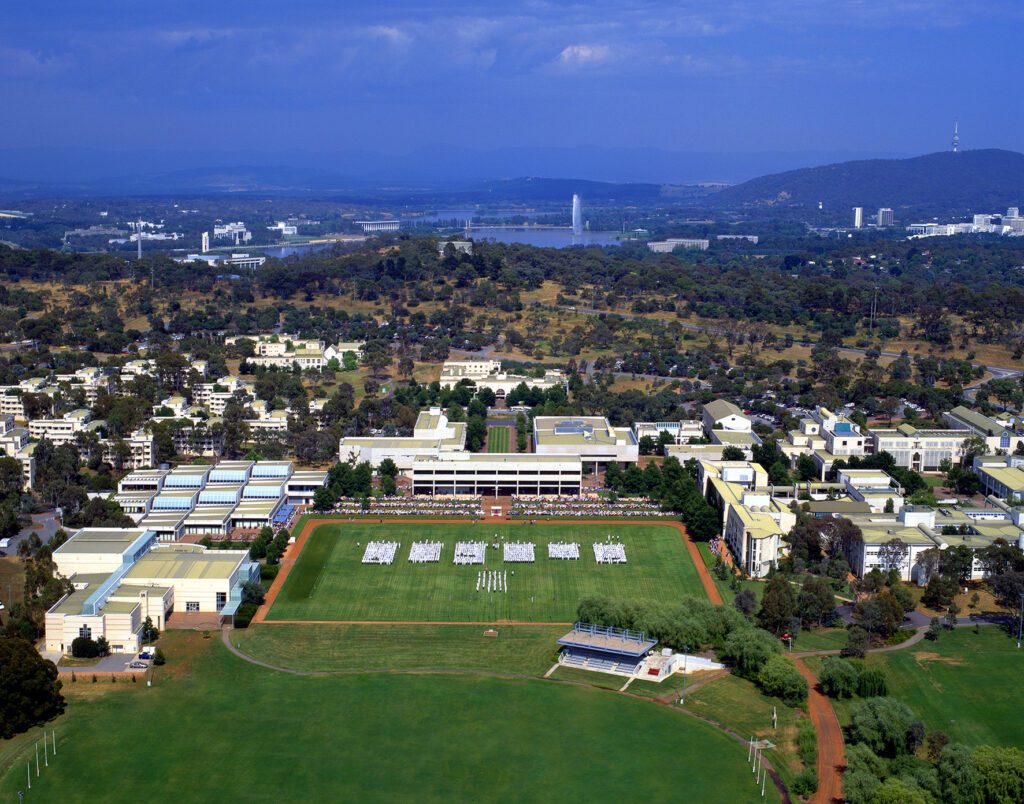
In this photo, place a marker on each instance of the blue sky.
(878, 76)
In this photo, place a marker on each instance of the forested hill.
(983, 181)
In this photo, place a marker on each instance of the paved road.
(43, 525)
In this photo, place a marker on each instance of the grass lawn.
(267, 736)
(527, 649)
(724, 588)
(499, 439)
(12, 580)
(820, 639)
(962, 684)
(737, 704)
(329, 582)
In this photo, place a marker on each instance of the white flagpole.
(54, 742)
(750, 748)
(46, 753)
(37, 759)
(28, 772)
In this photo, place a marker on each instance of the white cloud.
(584, 55)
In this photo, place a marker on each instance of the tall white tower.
(577, 215)
(858, 217)
(206, 242)
(956, 137)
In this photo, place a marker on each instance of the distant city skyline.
(318, 77)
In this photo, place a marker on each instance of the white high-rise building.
(1012, 212)
(885, 217)
(858, 217)
(577, 215)
(206, 242)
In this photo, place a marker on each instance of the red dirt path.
(831, 756)
(292, 553)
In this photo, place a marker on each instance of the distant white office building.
(858, 217)
(488, 374)
(236, 232)
(885, 217)
(380, 226)
(670, 245)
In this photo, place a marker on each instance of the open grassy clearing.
(737, 704)
(499, 439)
(724, 587)
(820, 639)
(12, 580)
(369, 737)
(964, 684)
(529, 650)
(329, 582)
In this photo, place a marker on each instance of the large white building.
(998, 434)
(494, 474)
(670, 245)
(122, 576)
(920, 450)
(488, 374)
(63, 430)
(14, 443)
(592, 439)
(825, 436)
(433, 435)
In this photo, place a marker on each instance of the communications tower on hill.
(956, 137)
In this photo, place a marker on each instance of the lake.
(545, 238)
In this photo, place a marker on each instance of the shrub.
(84, 648)
(861, 758)
(872, 684)
(780, 678)
(269, 571)
(245, 614)
(856, 642)
(884, 725)
(159, 658)
(748, 649)
(806, 782)
(859, 786)
(806, 742)
(839, 678)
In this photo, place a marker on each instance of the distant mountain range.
(983, 180)
(90, 170)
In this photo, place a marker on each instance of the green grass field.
(329, 582)
(738, 705)
(499, 439)
(962, 684)
(331, 647)
(222, 729)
